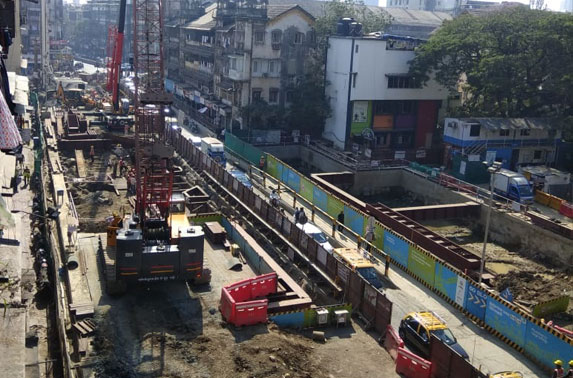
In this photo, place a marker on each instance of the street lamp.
(492, 169)
(53, 213)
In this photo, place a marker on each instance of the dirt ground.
(94, 196)
(530, 281)
(161, 331)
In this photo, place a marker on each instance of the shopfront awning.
(19, 88)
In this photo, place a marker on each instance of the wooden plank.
(81, 163)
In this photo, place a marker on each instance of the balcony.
(202, 49)
(198, 75)
(238, 75)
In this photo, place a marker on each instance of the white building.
(372, 94)
(511, 141)
(429, 5)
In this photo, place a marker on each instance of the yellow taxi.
(417, 327)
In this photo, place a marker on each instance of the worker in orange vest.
(558, 371)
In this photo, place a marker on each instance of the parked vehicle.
(195, 140)
(214, 149)
(512, 185)
(242, 177)
(359, 264)
(115, 122)
(317, 234)
(416, 327)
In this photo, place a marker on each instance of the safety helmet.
(571, 363)
(558, 362)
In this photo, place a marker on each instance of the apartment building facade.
(234, 54)
(374, 101)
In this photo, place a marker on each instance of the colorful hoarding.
(396, 247)
(446, 281)
(476, 301)
(544, 346)
(354, 220)
(334, 206)
(379, 236)
(422, 265)
(306, 189)
(293, 180)
(506, 321)
(320, 198)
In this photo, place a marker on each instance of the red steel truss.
(154, 174)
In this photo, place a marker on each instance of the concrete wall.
(532, 240)
(376, 182)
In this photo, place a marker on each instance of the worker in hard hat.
(558, 371)
(570, 372)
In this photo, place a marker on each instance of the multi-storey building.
(236, 53)
(373, 98)
(87, 27)
(511, 141)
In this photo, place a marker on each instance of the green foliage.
(309, 108)
(512, 63)
(261, 115)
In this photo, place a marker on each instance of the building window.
(273, 66)
(289, 96)
(537, 155)
(233, 63)
(273, 95)
(525, 132)
(257, 94)
(255, 66)
(503, 132)
(298, 38)
(356, 49)
(259, 37)
(402, 82)
(475, 130)
(276, 36)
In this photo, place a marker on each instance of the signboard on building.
(360, 111)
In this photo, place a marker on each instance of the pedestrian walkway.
(16, 258)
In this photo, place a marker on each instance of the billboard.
(446, 281)
(354, 220)
(476, 301)
(306, 189)
(320, 199)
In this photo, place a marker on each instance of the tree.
(310, 108)
(515, 62)
(262, 115)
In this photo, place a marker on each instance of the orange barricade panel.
(392, 342)
(411, 365)
(566, 209)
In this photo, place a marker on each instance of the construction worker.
(570, 372)
(558, 371)
(275, 199)
(92, 153)
(26, 176)
(340, 219)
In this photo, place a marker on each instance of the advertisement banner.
(354, 220)
(334, 207)
(284, 174)
(293, 180)
(506, 321)
(306, 189)
(320, 199)
(461, 289)
(446, 282)
(396, 247)
(475, 301)
(545, 346)
(272, 166)
(422, 265)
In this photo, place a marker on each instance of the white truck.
(512, 185)
(214, 149)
